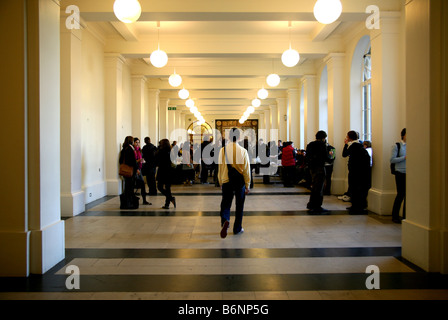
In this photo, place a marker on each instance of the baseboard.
(47, 247)
(381, 202)
(95, 191)
(72, 204)
(423, 246)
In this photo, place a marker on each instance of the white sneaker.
(241, 231)
(346, 198)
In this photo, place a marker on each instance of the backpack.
(236, 179)
(392, 165)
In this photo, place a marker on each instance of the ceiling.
(224, 49)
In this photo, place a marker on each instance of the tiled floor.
(284, 253)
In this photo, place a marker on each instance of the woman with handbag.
(165, 172)
(128, 169)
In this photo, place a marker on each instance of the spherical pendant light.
(290, 58)
(273, 80)
(184, 94)
(175, 80)
(241, 121)
(158, 58)
(263, 93)
(251, 109)
(256, 103)
(190, 104)
(327, 11)
(127, 11)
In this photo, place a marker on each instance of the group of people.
(234, 172)
(144, 162)
(319, 157)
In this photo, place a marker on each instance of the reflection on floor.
(284, 253)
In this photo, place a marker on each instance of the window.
(366, 84)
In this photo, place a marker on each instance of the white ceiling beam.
(220, 84)
(229, 10)
(126, 30)
(203, 46)
(323, 31)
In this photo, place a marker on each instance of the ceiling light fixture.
(256, 103)
(190, 104)
(263, 93)
(327, 11)
(158, 58)
(175, 80)
(184, 94)
(273, 80)
(290, 57)
(127, 11)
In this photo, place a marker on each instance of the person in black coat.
(359, 172)
(149, 167)
(316, 157)
(127, 156)
(165, 172)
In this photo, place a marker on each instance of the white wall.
(93, 122)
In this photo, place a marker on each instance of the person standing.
(127, 156)
(288, 164)
(139, 181)
(398, 158)
(149, 167)
(165, 172)
(359, 173)
(234, 178)
(316, 157)
(329, 168)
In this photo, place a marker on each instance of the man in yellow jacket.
(234, 178)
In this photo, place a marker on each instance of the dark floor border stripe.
(173, 213)
(251, 194)
(223, 283)
(232, 253)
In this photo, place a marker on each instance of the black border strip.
(224, 283)
(173, 213)
(232, 253)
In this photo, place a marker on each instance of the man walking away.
(234, 178)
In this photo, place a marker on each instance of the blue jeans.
(228, 191)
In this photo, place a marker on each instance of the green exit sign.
(171, 108)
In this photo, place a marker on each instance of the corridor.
(177, 254)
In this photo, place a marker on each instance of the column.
(310, 104)
(171, 115)
(267, 121)
(153, 115)
(113, 64)
(72, 195)
(262, 127)
(274, 121)
(163, 118)
(337, 129)
(424, 232)
(282, 118)
(294, 115)
(31, 232)
(388, 114)
(139, 107)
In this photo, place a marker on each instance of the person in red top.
(288, 164)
